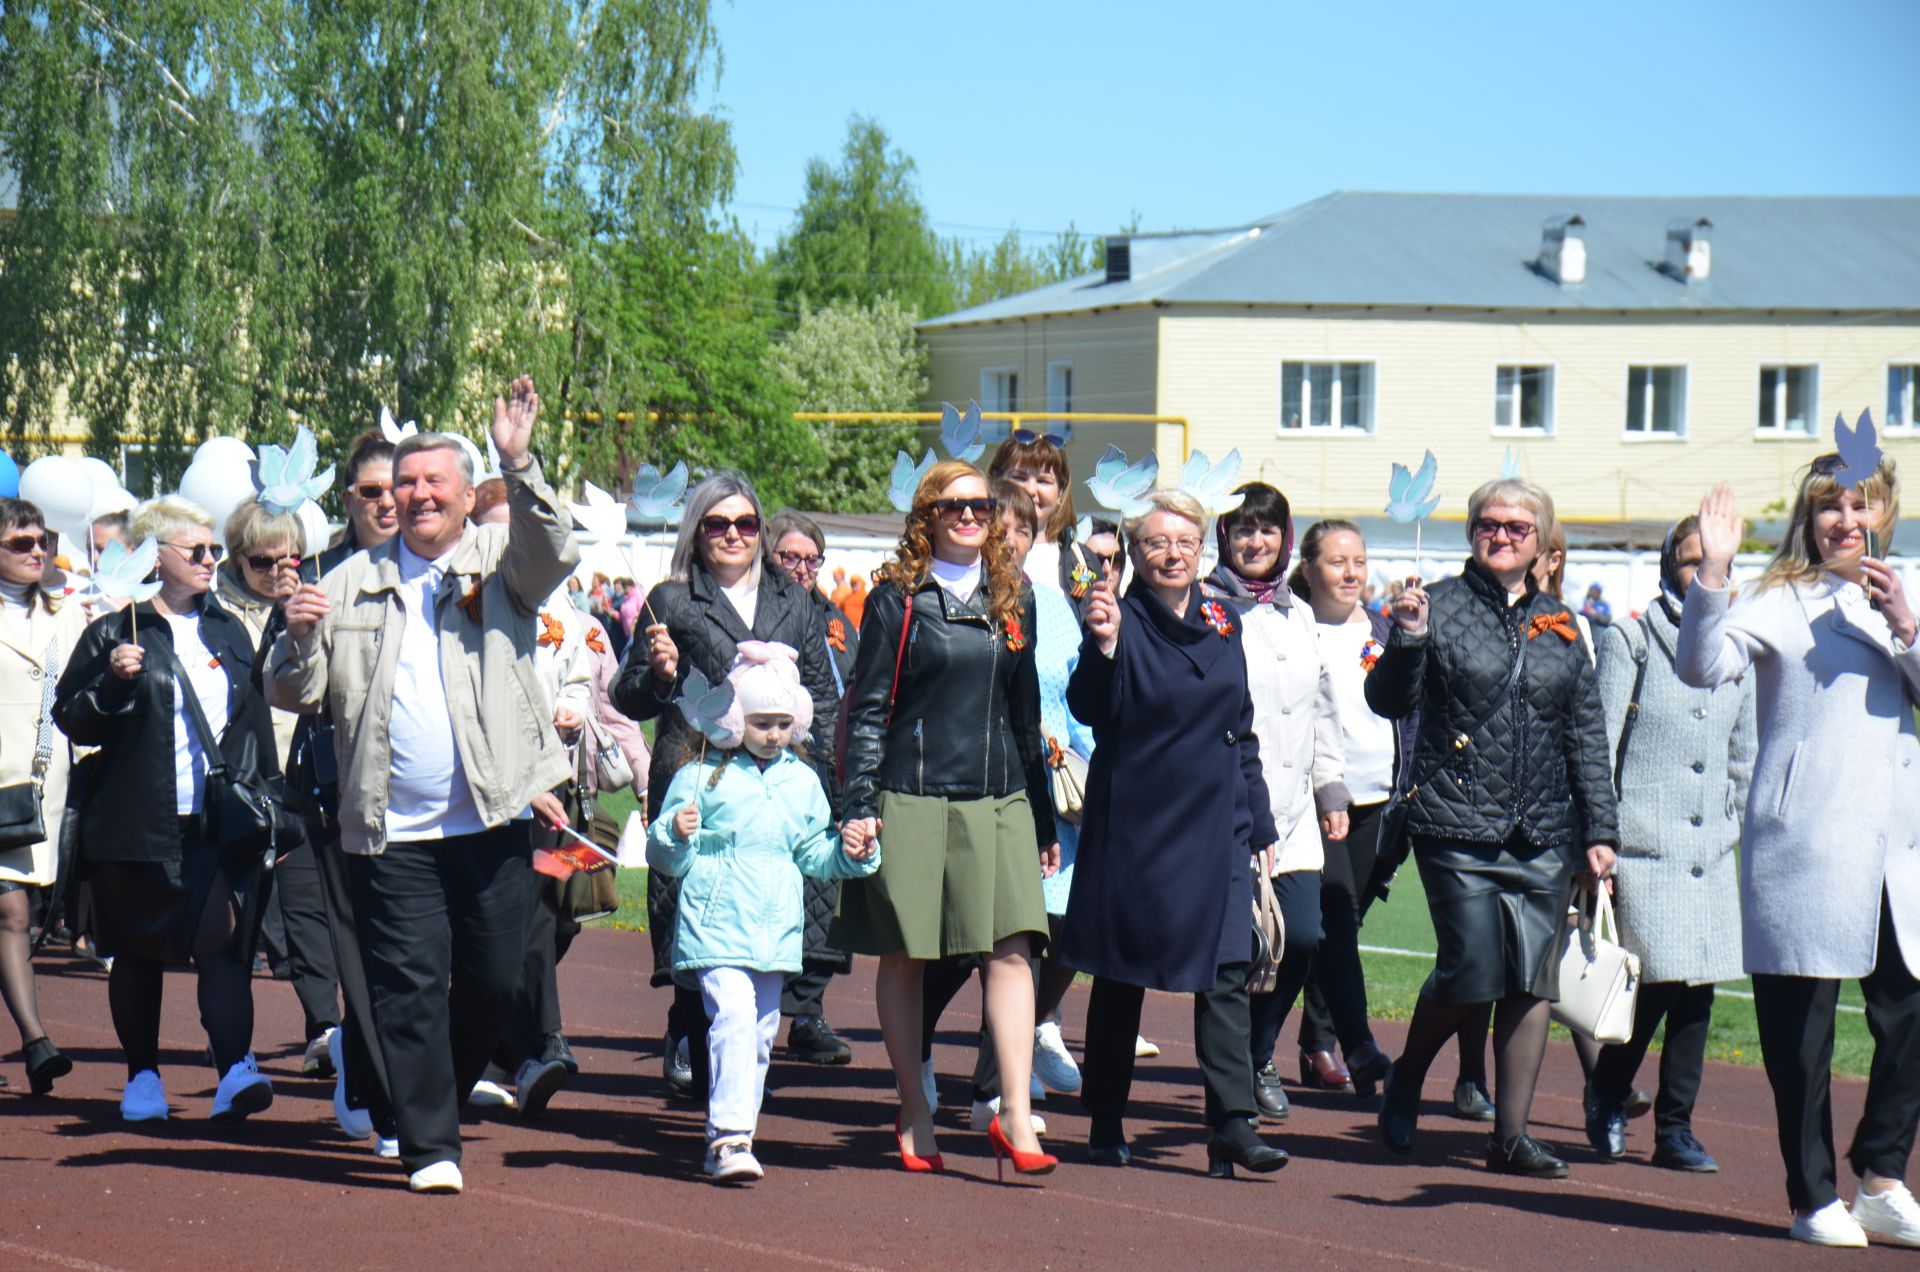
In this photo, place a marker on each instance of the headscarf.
(1261, 590)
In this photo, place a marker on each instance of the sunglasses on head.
(1027, 437)
(25, 543)
(981, 508)
(266, 564)
(1487, 527)
(715, 527)
(199, 553)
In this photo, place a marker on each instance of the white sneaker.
(1144, 1050)
(354, 1123)
(984, 1111)
(490, 1095)
(1052, 1063)
(440, 1177)
(1830, 1225)
(144, 1100)
(928, 1087)
(243, 1092)
(1892, 1214)
(318, 1062)
(387, 1148)
(731, 1161)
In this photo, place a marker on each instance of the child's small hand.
(686, 822)
(859, 846)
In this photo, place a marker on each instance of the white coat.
(1302, 750)
(25, 635)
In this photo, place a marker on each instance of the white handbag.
(1599, 977)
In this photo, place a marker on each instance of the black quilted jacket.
(1539, 763)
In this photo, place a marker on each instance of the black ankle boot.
(1523, 1155)
(1234, 1143)
(45, 1065)
(1399, 1115)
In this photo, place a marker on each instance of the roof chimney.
(1119, 259)
(1689, 250)
(1563, 250)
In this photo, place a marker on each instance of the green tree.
(1008, 267)
(853, 357)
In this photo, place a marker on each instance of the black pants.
(1298, 892)
(302, 903)
(366, 1071)
(1221, 1025)
(1688, 1011)
(1795, 1015)
(805, 991)
(687, 1018)
(536, 1008)
(443, 930)
(1335, 1009)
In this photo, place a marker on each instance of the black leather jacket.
(1539, 762)
(965, 718)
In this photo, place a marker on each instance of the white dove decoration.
(1118, 485)
(394, 433)
(961, 434)
(703, 703)
(657, 495)
(122, 575)
(601, 517)
(1209, 483)
(286, 476)
(906, 479)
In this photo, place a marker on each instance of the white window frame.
(996, 431)
(145, 453)
(1911, 427)
(1653, 436)
(1055, 406)
(1308, 429)
(1553, 400)
(1780, 432)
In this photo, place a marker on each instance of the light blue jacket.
(760, 830)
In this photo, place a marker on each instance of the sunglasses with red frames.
(952, 508)
(716, 527)
(22, 544)
(1517, 531)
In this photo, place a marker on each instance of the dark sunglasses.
(1105, 558)
(799, 561)
(199, 552)
(1027, 437)
(716, 527)
(25, 543)
(1487, 527)
(267, 564)
(952, 508)
(372, 490)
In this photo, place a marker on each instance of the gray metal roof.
(1477, 251)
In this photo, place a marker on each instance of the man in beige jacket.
(423, 649)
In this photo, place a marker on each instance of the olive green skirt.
(957, 876)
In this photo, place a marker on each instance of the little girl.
(741, 826)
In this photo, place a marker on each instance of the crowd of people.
(1175, 751)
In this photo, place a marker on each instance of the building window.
(1903, 398)
(999, 391)
(138, 476)
(1326, 397)
(1060, 398)
(1656, 402)
(1789, 397)
(1523, 399)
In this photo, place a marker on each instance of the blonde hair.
(252, 527)
(1797, 559)
(1177, 502)
(1515, 493)
(165, 517)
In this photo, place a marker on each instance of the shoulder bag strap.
(1493, 709)
(43, 740)
(900, 656)
(184, 687)
(1640, 656)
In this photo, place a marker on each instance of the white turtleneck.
(959, 580)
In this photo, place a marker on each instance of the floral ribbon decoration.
(595, 641)
(1215, 615)
(553, 633)
(1016, 636)
(837, 635)
(1559, 623)
(1370, 653)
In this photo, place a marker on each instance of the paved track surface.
(609, 1177)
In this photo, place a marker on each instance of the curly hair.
(911, 564)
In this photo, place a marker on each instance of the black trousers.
(536, 1008)
(1795, 1015)
(1221, 1025)
(1688, 1011)
(366, 1071)
(805, 991)
(1298, 892)
(443, 926)
(302, 903)
(1335, 1009)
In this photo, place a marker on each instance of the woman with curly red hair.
(943, 750)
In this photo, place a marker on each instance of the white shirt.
(1043, 564)
(744, 596)
(1348, 647)
(428, 795)
(959, 580)
(209, 685)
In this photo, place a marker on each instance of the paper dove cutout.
(906, 478)
(286, 476)
(1083, 528)
(1209, 483)
(602, 516)
(1410, 496)
(657, 497)
(1859, 449)
(395, 432)
(960, 434)
(123, 575)
(1509, 465)
(1118, 485)
(704, 704)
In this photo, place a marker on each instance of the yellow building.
(1629, 351)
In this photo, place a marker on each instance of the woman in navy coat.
(1162, 890)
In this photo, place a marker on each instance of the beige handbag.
(1269, 936)
(1599, 977)
(1068, 774)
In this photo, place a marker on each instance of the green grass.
(632, 914)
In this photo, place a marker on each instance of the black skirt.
(1499, 917)
(152, 909)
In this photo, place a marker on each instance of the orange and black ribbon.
(1560, 624)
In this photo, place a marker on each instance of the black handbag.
(237, 804)
(22, 821)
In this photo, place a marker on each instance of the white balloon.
(219, 486)
(480, 473)
(108, 500)
(100, 473)
(58, 486)
(220, 447)
(313, 524)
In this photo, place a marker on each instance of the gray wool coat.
(1683, 789)
(1833, 814)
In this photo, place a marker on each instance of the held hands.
(859, 836)
(304, 610)
(127, 661)
(662, 654)
(1720, 533)
(1886, 591)
(1103, 617)
(513, 418)
(1410, 607)
(1050, 861)
(686, 822)
(1334, 825)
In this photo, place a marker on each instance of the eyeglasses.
(1160, 545)
(372, 491)
(1487, 527)
(267, 564)
(716, 527)
(952, 508)
(199, 553)
(1027, 437)
(799, 560)
(25, 543)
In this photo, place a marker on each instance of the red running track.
(609, 1177)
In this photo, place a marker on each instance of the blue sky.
(1041, 114)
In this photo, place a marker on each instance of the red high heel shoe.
(916, 1165)
(1023, 1163)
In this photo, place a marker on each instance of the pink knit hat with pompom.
(766, 681)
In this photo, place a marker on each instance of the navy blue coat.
(1162, 892)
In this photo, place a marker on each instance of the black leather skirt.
(1499, 917)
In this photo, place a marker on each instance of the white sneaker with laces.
(387, 1148)
(1144, 1050)
(1830, 1225)
(318, 1061)
(439, 1177)
(928, 1087)
(243, 1092)
(1892, 1214)
(490, 1095)
(984, 1111)
(144, 1100)
(1052, 1063)
(731, 1161)
(354, 1123)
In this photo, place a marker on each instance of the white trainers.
(490, 1095)
(1052, 1063)
(731, 1161)
(1892, 1214)
(928, 1087)
(984, 1111)
(144, 1100)
(1830, 1225)
(354, 1123)
(440, 1177)
(387, 1148)
(243, 1092)
(318, 1062)
(1144, 1050)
